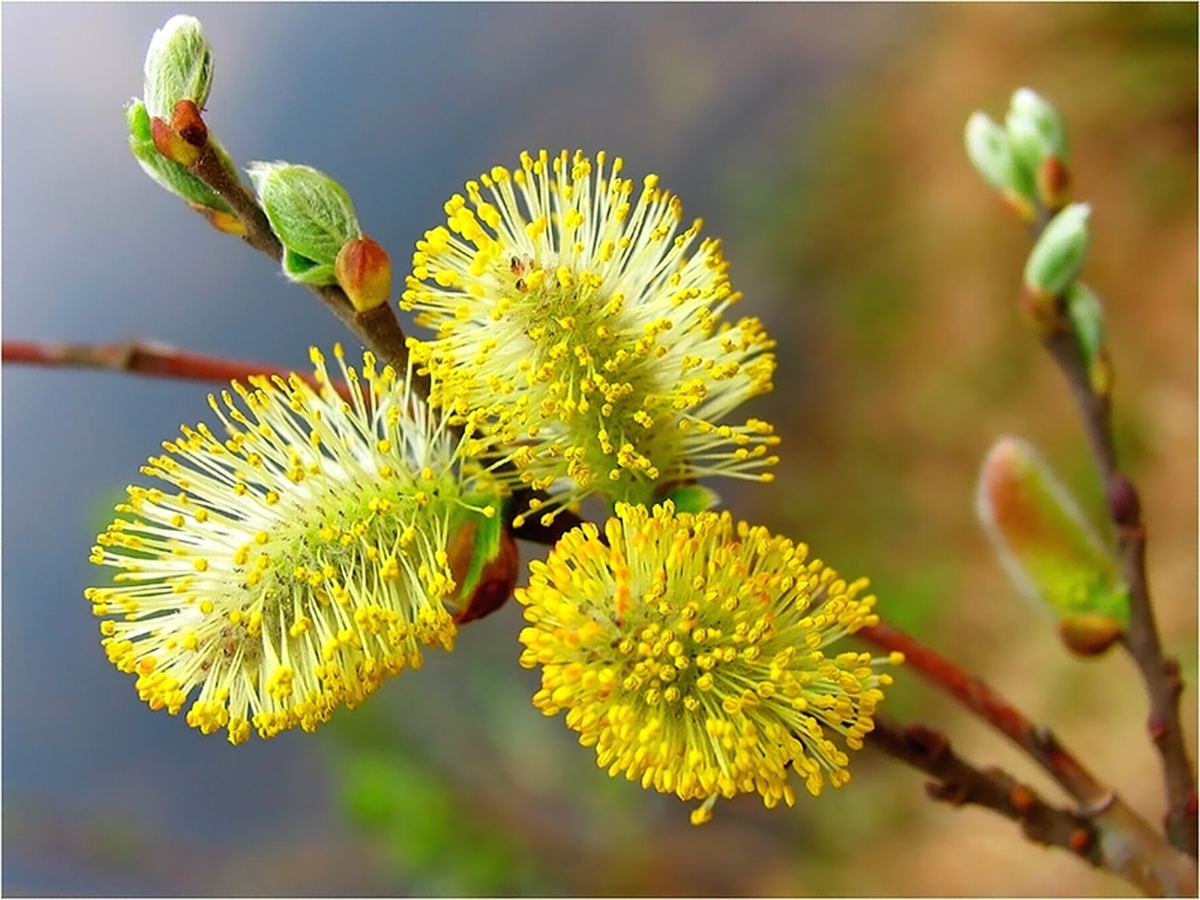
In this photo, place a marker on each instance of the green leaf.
(170, 175)
(487, 543)
(309, 212)
(1086, 313)
(303, 270)
(178, 66)
(692, 498)
(1058, 255)
(1043, 540)
(1035, 130)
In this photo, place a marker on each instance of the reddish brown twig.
(144, 358)
(377, 328)
(1160, 673)
(1106, 837)
(972, 692)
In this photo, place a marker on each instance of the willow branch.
(144, 358)
(1105, 837)
(377, 328)
(1035, 740)
(1160, 673)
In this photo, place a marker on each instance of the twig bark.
(143, 358)
(1105, 837)
(378, 328)
(1037, 741)
(1159, 672)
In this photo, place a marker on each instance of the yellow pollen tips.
(690, 652)
(583, 320)
(304, 563)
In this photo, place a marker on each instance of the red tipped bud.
(496, 580)
(1053, 183)
(171, 144)
(1089, 634)
(188, 124)
(364, 272)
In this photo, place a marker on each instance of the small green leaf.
(178, 66)
(1086, 313)
(692, 498)
(1058, 255)
(309, 212)
(1042, 538)
(303, 270)
(1035, 130)
(170, 175)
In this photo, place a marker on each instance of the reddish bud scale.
(1123, 503)
(1089, 634)
(364, 272)
(1080, 840)
(222, 221)
(188, 124)
(1053, 183)
(171, 145)
(496, 582)
(1040, 310)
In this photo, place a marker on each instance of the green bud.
(484, 561)
(1058, 255)
(170, 175)
(1035, 130)
(989, 150)
(311, 215)
(1049, 550)
(691, 498)
(1086, 314)
(179, 66)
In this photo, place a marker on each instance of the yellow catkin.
(291, 576)
(694, 654)
(583, 318)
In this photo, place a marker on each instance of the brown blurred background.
(824, 145)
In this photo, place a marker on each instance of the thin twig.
(1036, 740)
(144, 358)
(1159, 672)
(377, 328)
(1106, 837)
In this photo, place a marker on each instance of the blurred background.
(823, 144)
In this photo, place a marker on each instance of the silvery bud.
(310, 213)
(1058, 255)
(179, 66)
(991, 153)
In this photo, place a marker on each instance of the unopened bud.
(1123, 504)
(1042, 539)
(222, 221)
(1035, 130)
(1058, 255)
(310, 213)
(689, 497)
(484, 561)
(1086, 314)
(168, 173)
(179, 66)
(1053, 183)
(1089, 634)
(171, 144)
(990, 152)
(187, 123)
(364, 272)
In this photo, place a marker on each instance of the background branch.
(377, 328)
(1160, 673)
(1105, 837)
(144, 358)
